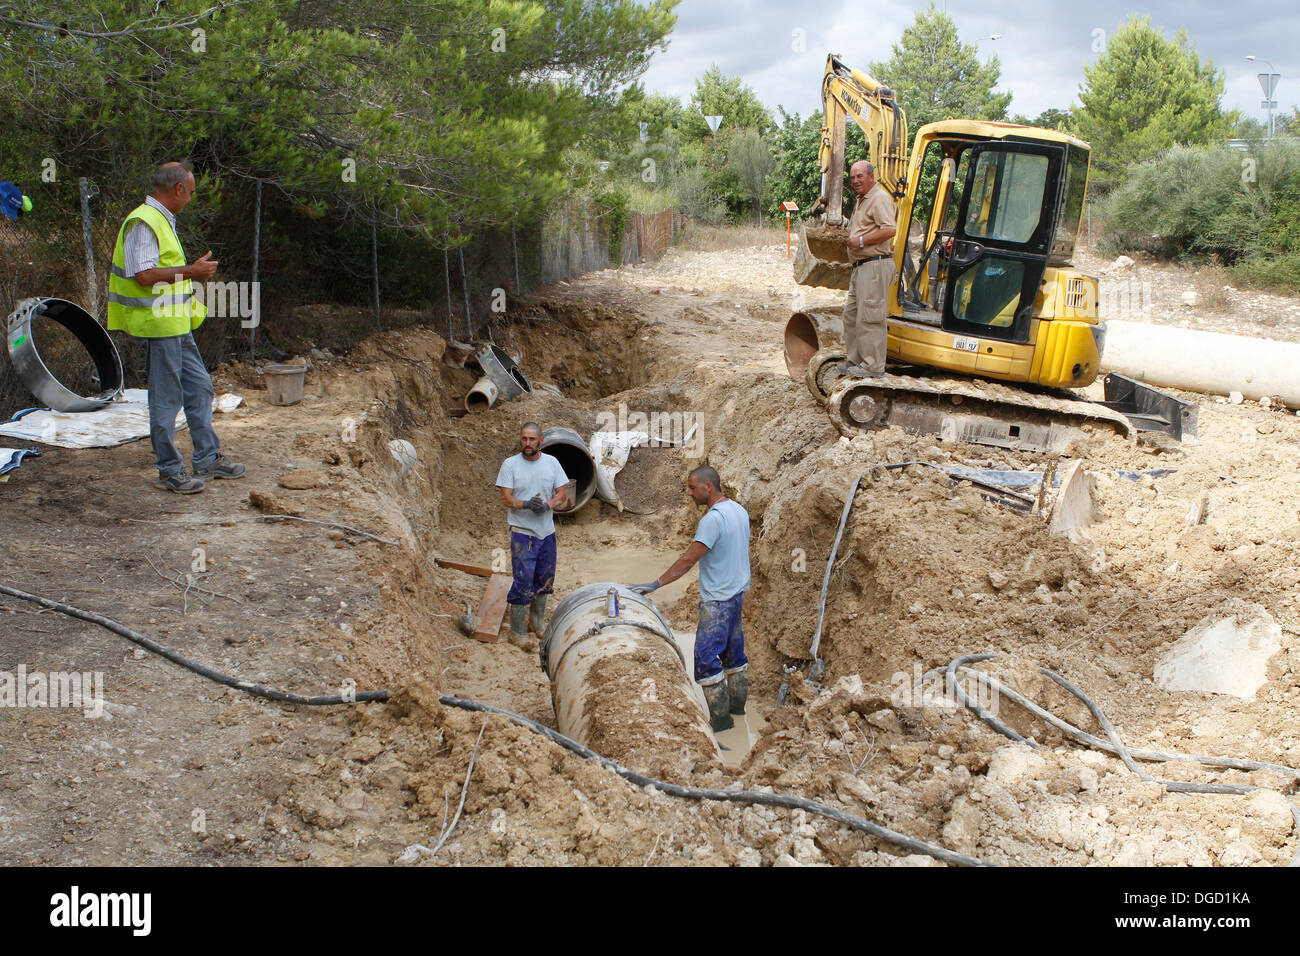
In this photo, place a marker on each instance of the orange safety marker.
(789, 207)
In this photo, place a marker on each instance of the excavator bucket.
(823, 256)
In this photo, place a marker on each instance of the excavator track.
(962, 409)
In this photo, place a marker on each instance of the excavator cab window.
(1004, 232)
(935, 209)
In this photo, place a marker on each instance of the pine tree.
(1145, 94)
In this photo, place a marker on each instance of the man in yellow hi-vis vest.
(151, 297)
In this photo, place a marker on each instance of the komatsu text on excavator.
(988, 215)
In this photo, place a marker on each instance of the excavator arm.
(847, 92)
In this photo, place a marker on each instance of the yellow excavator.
(988, 214)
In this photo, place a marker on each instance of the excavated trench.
(927, 570)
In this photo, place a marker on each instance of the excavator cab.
(990, 215)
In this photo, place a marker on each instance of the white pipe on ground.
(621, 684)
(482, 396)
(1204, 361)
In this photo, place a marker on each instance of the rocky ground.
(181, 770)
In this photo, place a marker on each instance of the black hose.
(726, 796)
(672, 789)
(257, 690)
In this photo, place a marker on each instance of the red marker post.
(789, 207)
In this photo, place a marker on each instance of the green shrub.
(1242, 208)
(1277, 274)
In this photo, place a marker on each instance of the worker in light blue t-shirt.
(721, 547)
(532, 486)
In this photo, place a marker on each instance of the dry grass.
(703, 237)
(1209, 283)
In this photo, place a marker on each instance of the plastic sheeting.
(120, 422)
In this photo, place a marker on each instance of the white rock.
(1121, 264)
(1134, 853)
(1239, 853)
(1012, 763)
(1226, 655)
(1172, 853)
(1272, 812)
(1189, 298)
(1235, 398)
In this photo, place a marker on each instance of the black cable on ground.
(1113, 744)
(725, 796)
(672, 789)
(135, 637)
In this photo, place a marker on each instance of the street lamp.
(1268, 83)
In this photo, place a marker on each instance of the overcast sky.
(1043, 46)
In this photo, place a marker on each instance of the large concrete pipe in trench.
(807, 333)
(622, 685)
(567, 447)
(1204, 361)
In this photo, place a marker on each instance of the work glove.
(536, 505)
(645, 588)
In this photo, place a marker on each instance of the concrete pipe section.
(31, 367)
(482, 396)
(807, 333)
(567, 447)
(622, 685)
(1204, 361)
(504, 373)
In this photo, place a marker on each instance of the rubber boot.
(519, 626)
(738, 687)
(537, 613)
(719, 705)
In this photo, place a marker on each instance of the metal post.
(374, 256)
(446, 272)
(464, 285)
(92, 281)
(514, 241)
(257, 255)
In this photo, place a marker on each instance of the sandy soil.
(184, 771)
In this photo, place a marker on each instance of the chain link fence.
(374, 279)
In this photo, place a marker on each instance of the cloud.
(1042, 48)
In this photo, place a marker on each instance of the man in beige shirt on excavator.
(871, 250)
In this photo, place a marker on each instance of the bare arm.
(871, 238)
(202, 268)
(683, 564)
(509, 500)
(563, 496)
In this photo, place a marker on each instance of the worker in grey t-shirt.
(532, 486)
(721, 547)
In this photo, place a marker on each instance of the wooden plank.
(465, 566)
(492, 609)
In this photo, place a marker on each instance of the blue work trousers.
(719, 641)
(532, 561)
(178, 379)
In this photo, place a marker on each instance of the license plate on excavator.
(965, 344)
